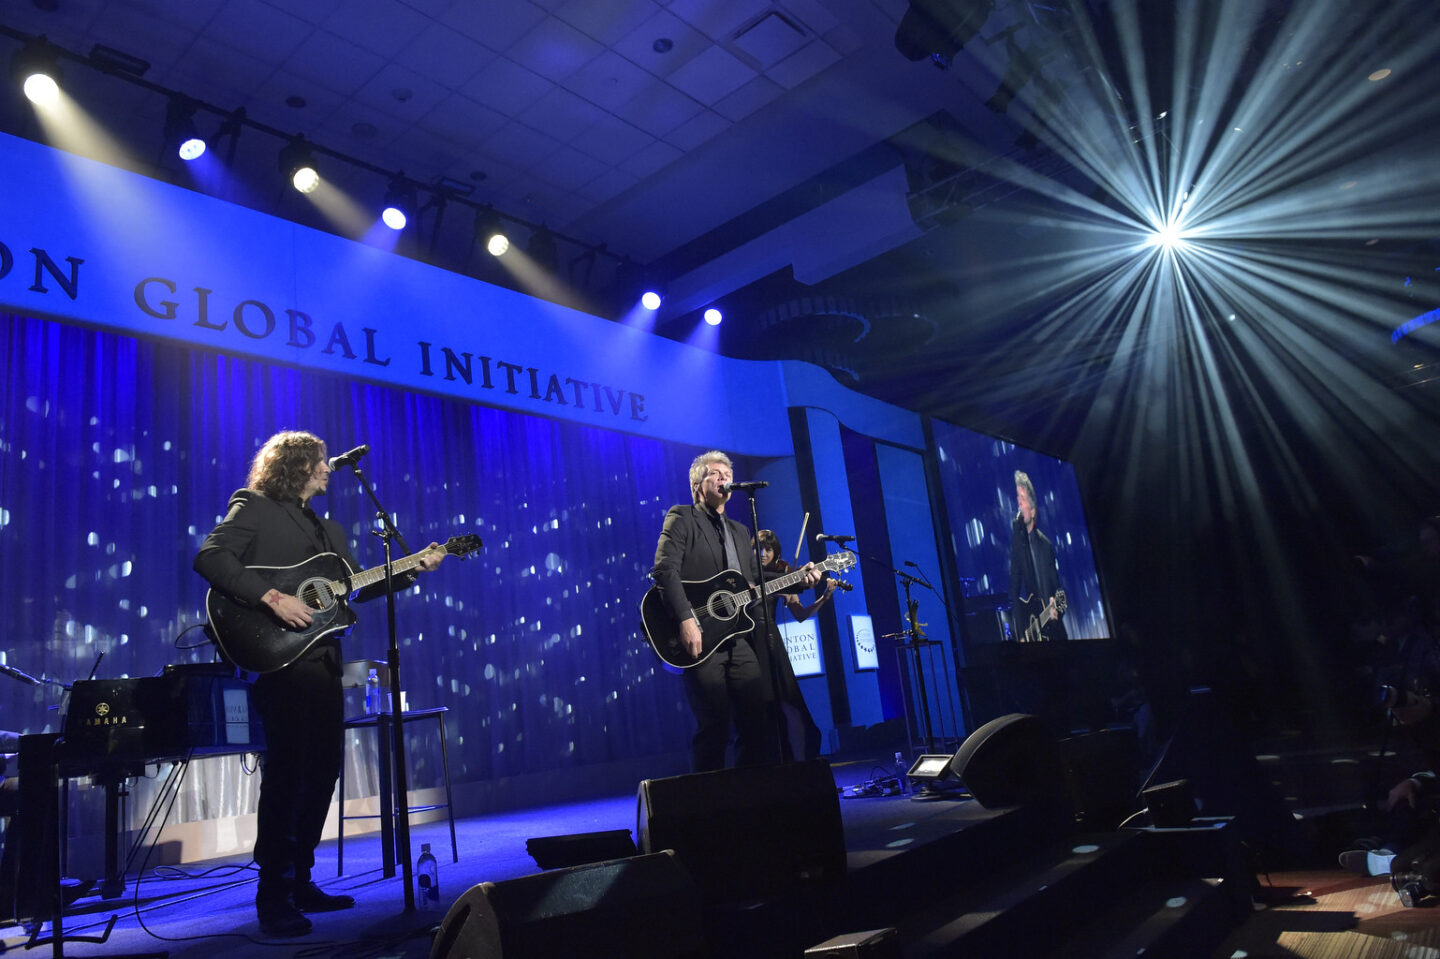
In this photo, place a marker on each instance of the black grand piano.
(113, 729)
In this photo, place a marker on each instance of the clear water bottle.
(372, 693)
(427, 879)
(902, 773)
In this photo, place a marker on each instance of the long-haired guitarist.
(270, 524)
(1037, 603)
(728, 686)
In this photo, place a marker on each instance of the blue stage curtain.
(117, 456)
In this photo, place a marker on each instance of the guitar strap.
(323, 541)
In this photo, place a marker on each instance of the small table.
(380, 722)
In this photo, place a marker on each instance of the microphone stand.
(913, 639)
(778, 727)
(394, 839)
(950, 684)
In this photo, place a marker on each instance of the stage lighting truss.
(36, 67)
(298, 165)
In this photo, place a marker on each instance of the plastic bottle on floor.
(427, 879)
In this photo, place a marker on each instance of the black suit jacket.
(259, 531)
(1032, 584)
(690, 550)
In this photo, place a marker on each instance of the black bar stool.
(380, 722)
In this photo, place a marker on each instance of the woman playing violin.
(801, 736)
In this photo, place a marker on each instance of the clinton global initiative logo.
(865, 639)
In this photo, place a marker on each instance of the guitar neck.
(375, 574)
(785, 581)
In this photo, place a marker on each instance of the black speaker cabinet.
(749, 832)
(641, 906)
(1011, 761)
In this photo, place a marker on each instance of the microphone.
(753, 484)
(839, 540)
(348, 459)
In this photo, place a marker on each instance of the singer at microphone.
(839, 539)
(726, 663)
(348, 458)
(270, 525)
(753, 484)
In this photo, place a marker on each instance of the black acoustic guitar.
(720, 605)
(1034, 632)
(253, 639)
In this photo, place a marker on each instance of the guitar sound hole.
(312, 595)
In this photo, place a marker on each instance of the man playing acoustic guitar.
(270, 524)
(726, 685)
(1037, 607)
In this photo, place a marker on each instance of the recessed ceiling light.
(295, 101)
(1380, 74)
(663, 45)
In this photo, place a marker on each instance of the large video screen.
(1040, 574)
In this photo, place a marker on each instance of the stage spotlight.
(489, 231)
(937, 29)
(36, 67)
(298, 165)
(543, 250)
(1168, 237)
(399, 203)
(180, 128)
(650, 299)
(713, 316)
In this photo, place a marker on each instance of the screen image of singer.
(977, 478)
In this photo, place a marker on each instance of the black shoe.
(279, 917)
(1356, 860)
(311, 898)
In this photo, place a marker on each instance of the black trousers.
(729, 689)
(302, 709)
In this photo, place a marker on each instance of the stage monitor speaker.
(641, 906)
(749, 832)
(554, 852)
(1011, 761)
